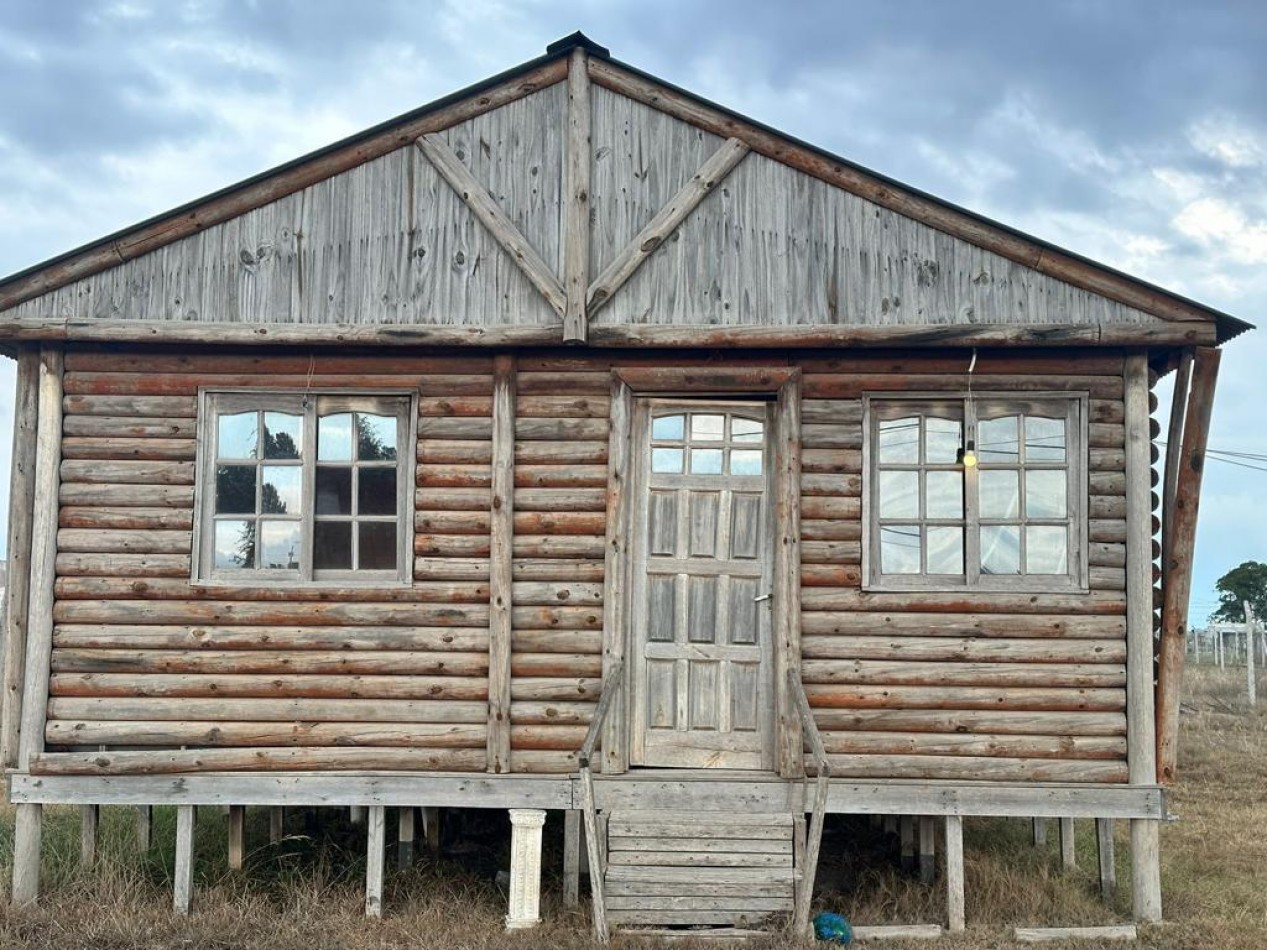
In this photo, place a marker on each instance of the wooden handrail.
(611, 686)
(822, 785)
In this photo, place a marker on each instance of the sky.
(1133, 132)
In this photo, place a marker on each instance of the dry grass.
(307, 893)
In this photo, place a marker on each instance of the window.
(985, 492)
(305, 488)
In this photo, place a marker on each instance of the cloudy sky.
(1132, 132)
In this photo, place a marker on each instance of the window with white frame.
(305, 487)
(985, 491)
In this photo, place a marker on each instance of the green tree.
(1246, 582)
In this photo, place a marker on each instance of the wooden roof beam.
(577, 170)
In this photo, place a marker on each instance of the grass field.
(307, 893)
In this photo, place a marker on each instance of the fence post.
(1251, 684)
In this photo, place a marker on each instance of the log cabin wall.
(1001, 686)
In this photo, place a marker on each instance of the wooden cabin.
(575, 444)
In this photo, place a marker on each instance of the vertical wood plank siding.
(940, 686)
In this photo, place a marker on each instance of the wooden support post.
(927, 849)
(1177, 568)
(1174, 449)
(356, 814)
(906, 832)
(375, 852)
(1251, 684)
(799, 882)
(183, 878)
(405, 837)
(571, 857)
(502, 536)
(144, 827)
(28, 829)
(431, 828)
(790, 754)
(576, 237)
(21, 514)
(954, 874)
(237, 837)
(89, 824)
(614, 743)
(1141, 734)
(1040, 832)
(1068, 845)
(1108, 866)
(276, 824)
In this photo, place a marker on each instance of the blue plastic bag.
(833, 928)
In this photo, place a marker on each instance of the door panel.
(702, 679)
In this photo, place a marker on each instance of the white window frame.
(1073, 405)
(212, 403)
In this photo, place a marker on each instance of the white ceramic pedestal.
(525, 868)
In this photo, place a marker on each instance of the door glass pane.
(943, 495)
(377, 549)
(376, 491)
(234, 545)
(280, 489)
(235, 436)
(283, 435)
(667, 427)
(334, 490)
(899, 549)
(945, 550)
(235, 490)
(279, 545)
(666, 461)
(376, 438)
(745, 461)
(1046, 550)
(1045, 494)
(705, 461)
(1044, 439)
(899, 440)
(707, 428)
(997, 440)
(1000, 549)
(942, 440)
(332, 546)
(1000, 493)
(334, 438)
(746, 430)
(899, 494)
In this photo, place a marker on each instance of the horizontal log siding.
(258, 678)
(961, 685)
(560, 522)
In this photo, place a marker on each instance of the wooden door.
(702, 683)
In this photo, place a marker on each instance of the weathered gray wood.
(665, 222)
(276, 824)
(21, 522)
(405, 837)
(787, 574)
(431, 825)
(144, 825)
(490, 214)
(39, 628)
(1174, 451)
(954, 874)
(28, 830)
(1142, 736)
(89, 824)
(616, 567)
(1040, 832)
(1068, 845)
(183, 874)
(375, 852)
(501, 595)
(927, 849)
(237, 837)
(577, 167)
(571, 857)
(1046, 934)
(1107, 861)
(864, 933)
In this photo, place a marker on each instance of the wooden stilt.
(927, 849)
(571, 857)
(376, 841)
(28, 829)
(276, 824)
(906, 833)
(89, 820)
(356, 814)
(237, 837)
(431, 828)
(405, 837)
(954, 874)
(1068, 848)
(183, 878)
(798, 861)
(1104, 848)
(1040, 832)
(144, 827)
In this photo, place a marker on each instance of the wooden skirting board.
(562, 792)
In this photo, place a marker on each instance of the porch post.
(525, 868)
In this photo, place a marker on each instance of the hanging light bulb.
(967, 455)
